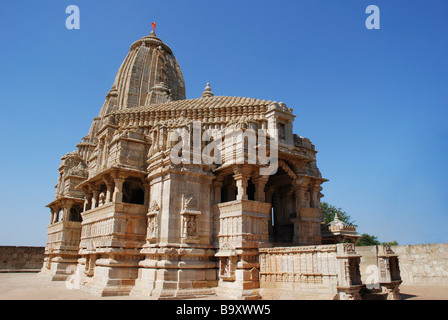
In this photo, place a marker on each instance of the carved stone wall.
(419, 264)
(309, 272)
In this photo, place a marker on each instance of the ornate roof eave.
(214, 102)
(115, 171)
(310, 177)
(280, 107)
(287, 154)
(63, 198)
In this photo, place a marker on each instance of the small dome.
(336, 222)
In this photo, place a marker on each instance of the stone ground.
(28, 286)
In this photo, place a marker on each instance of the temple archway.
(279, 193)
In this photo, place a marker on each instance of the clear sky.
(374, 102)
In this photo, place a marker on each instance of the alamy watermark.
(373, 20)
(73, 21)
(193, 145)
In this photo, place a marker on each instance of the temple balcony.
(243, 223)
(113, 227)
(63, 237)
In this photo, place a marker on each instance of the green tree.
(329, 211)
(391, 243)
(368, 240)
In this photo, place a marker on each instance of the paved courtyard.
(28, 286)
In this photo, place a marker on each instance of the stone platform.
(28, 286)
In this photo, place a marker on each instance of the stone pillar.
(95, 199)
(66, 212)
(241, 184)
(56, 214)
(52, 216)
(298, 195)
(314, 195)
(302, 197)
(118, 191)
(349, 276)
(88, 201)
(290, 206)
(296, 220)
(260, 183)
(300, 224)
(242, 176)
(110, 191)
(389, 272)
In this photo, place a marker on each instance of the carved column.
(241, 185)
(56, 214)
(300, 224)
(389, 272)
(118, 192)
(290, 206)
(301, 189)
(110, 190)
(349, 276)
(304, 200)
(260, 183)
(67, 208)
(242, 176)
(88, 201)
(52, 216)
(314, 196)
(296, 218)
(95, 198)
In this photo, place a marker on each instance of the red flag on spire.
(153, 26)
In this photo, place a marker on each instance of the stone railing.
(310, 272)
(342, 228)
(243, 223)
(63, 236)
(310, 264)
(113, 225)
(61, 252)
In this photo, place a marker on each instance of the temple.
(138, 212)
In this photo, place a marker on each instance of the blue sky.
(374, 102)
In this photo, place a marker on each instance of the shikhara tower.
(126, 220)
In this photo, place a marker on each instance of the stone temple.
(128, 220)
